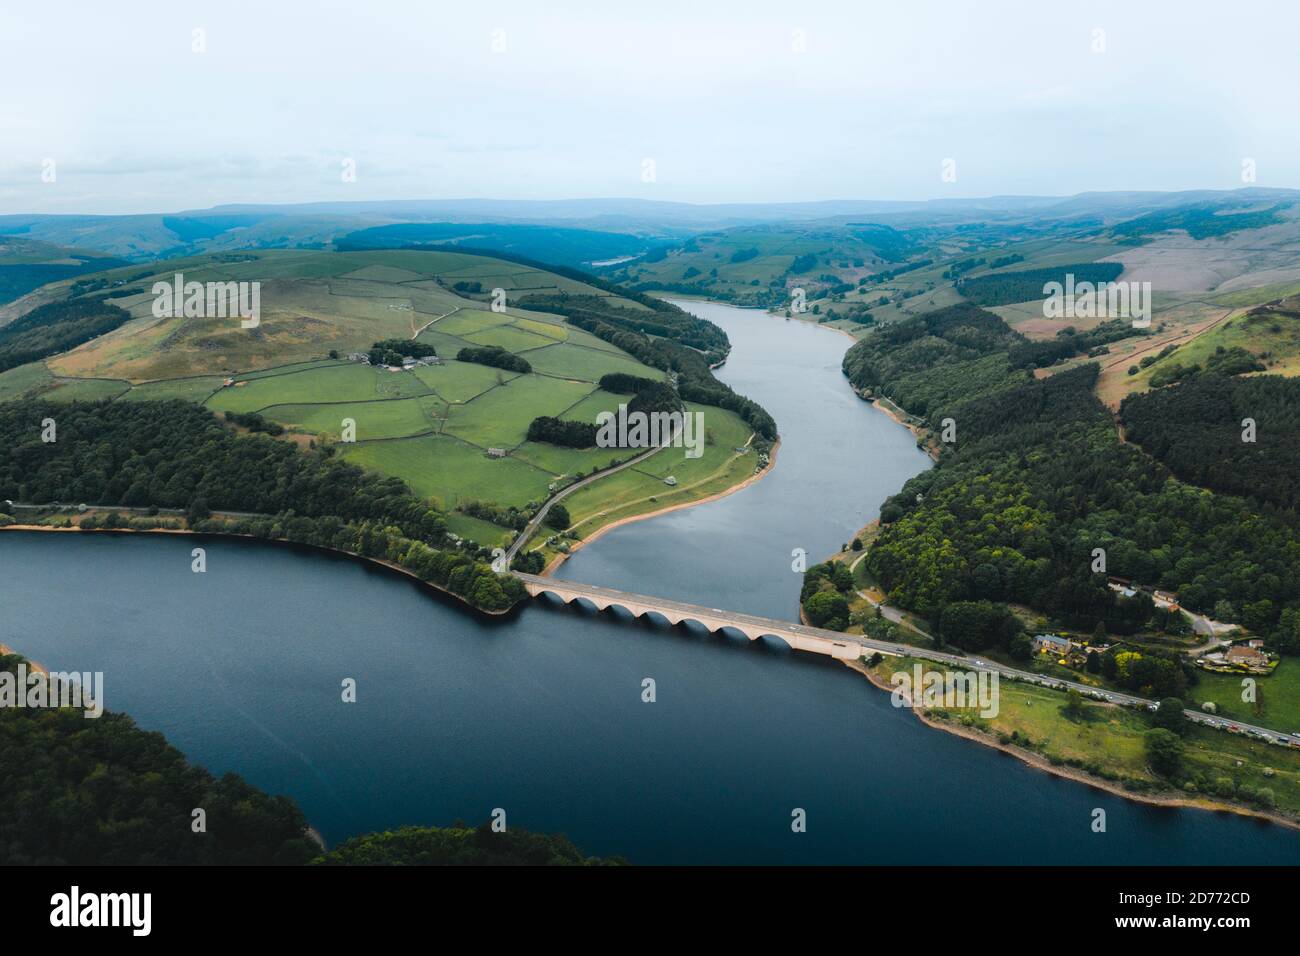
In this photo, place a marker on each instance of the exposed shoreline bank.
(363, 559)
(1039, 762)
(559, 559)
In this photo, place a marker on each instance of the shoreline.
(559, 559)
(1074, 774)
(361, 558)
(1030, 758)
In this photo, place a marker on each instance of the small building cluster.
(1053, 644)
(1248, 657)
(408, 361)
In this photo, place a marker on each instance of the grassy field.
(24, 380)
(1277, 697)
(431, 426)
(1273, 338)
(450, 471)
(640, 489)
(1107, 741)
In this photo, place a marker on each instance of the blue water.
(541, 714)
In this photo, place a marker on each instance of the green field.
(578, 361)
(189, 389)
(1272, 337)
(86, 389)
(450, 471)
(499, 417)
(430, 426)
(1277, 697)
(475, 529)
(24, 380)
(343, 382)
(373, 420)
(1107, 741)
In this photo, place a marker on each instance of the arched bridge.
(799, 636)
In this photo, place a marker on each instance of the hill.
(455, 432)
(27, 264)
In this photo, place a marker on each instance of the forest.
(567, 434)
(1004, 288)
(934, 359)
(56, 327)
(1200, 220)
(1197, 429)
(392, 351)
(496, 357)
(459, 845)
(1035, 481)
(175, 454)
(105, 792)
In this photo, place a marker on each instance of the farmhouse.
(1051, 643)
(1250, 656)
(496, 453)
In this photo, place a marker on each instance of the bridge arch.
(795, 636)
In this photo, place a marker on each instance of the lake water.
(541, 714)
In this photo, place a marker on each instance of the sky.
(147, 106)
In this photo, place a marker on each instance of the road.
(965, 662)
(754, 621)
(533, 525)
(126, 509)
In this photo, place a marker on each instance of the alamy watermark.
(637, 429)
(209, 300)
(946, 690)
(1099, 300)
(35, 688)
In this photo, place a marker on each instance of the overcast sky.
(743, 101)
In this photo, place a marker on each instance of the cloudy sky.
(732, 101)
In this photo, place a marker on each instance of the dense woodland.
(392, 351)
(178, 455)
(1196, 428)
(1004, 288)
(567, 434)
(103, 791)
(19, 278)
(1069, 342)
(496, 357)
(931, 360)
(1036, 479)
(56, 327)
(459, 846)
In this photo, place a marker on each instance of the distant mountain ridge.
(316, 225)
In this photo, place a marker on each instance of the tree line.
(175, 454)
(56, 327)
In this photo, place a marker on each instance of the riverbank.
(559, 559)
(381, 562)
(1039, 762)
(32, 666)
(902, 418)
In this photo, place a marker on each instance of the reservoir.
(541, 715)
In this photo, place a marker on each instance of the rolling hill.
(455, 431)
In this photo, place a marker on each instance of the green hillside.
(454, 431)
